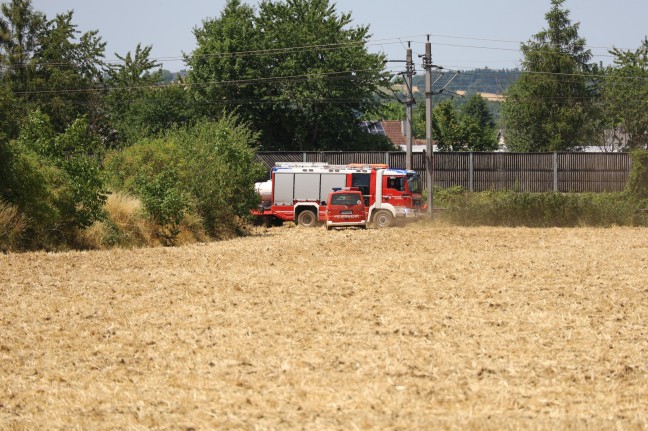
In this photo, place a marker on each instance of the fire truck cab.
(299, 192)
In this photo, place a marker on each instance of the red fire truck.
(299, 191)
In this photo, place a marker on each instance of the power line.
(260, 52)
(347, 74)
(331, 46)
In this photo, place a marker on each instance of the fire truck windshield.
(414, 184)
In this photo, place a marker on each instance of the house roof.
(394, 130)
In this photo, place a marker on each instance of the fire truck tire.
(307, 218)
(383, 218)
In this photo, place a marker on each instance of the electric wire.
(331, 46)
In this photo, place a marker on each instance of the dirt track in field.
(420, 327)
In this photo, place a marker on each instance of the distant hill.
(469, 81)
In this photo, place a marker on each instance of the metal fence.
(529, 172)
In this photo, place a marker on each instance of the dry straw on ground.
(421, 327)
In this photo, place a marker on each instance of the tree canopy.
(297, 70)
(45, 63)
(548, 108)
(625, 97)
(466, 127)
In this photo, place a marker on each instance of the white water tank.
(264, 190)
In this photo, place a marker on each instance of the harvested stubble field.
(421, 327)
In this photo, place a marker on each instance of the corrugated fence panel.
(592, 172)
(513, 171)
(527, 172)
(271, 157)
(451, 170)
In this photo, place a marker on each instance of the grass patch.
(509, 208)
(12, 227)
(128, 226)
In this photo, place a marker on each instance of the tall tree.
(225, 63)
(20, 29)
(49, 64)
(446, 127)
(69, 69)
(139, 105)
(625, 98)
(297, 71)
(549, 107)
(478, 125)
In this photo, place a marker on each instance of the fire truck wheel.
(307, 218)
(383, 218)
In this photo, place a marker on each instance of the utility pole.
(409, 71)
(429, 145)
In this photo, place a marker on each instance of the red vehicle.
(346, 208)
(299, 191)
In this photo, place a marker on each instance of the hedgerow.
(207, 170)
(510, 208)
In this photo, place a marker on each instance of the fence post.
(387, 158)
(555, 171)
(471, 170)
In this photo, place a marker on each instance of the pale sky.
(464, 34)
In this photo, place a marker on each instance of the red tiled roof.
(394, 131)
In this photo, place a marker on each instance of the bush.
(219, 172)
(147, 158)
(127, 225)
(164, 201)
(32, 185)
(56, 181)
(637, 184)
(78, 154)
(207, 170)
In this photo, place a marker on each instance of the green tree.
(28, 182)
(469, 127)
(297, 71)
(392, 111)
(550, 106)
(20, 30)
(223, 154)
(625, 97)
(224, 65)
(69, 73)
(135, 71)
(9, 115)
(637, 184)
(446, 128)
(49, 65)
(139, 104)
(478, 125)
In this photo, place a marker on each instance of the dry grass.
(425, 326)
(129, 227)
(12, 226)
